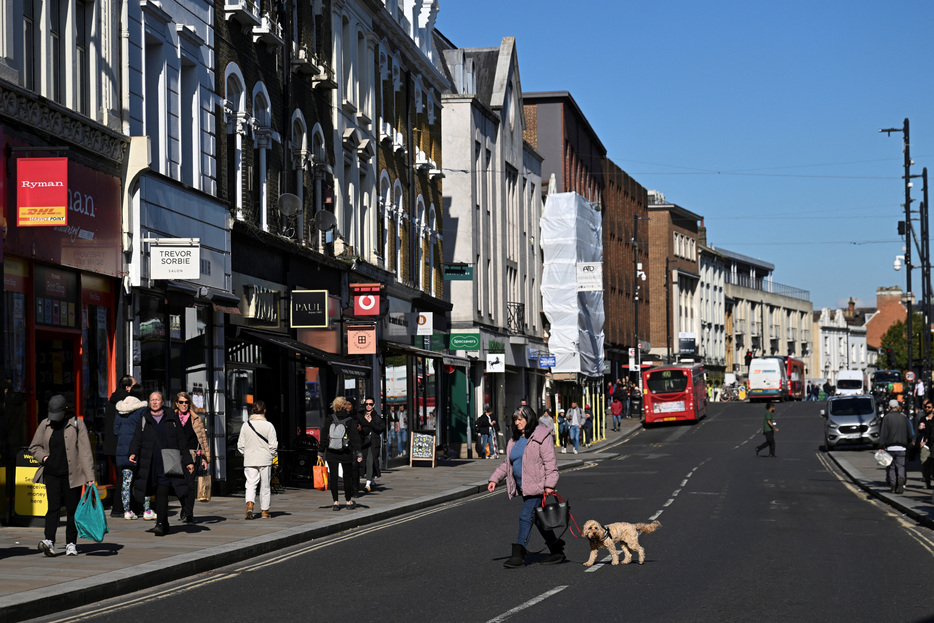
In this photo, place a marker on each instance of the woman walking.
(63, 450)
(259, 446)
(196, 442)
(340, 448)
(531, 471)
(129, 411)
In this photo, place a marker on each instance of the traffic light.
(890, 357)
(901, 228)
(748, 358)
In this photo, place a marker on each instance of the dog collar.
(606, 533)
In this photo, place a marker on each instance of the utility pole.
(925, 284)
(908, 267)
(640, 276)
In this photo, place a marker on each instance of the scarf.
(183, 417)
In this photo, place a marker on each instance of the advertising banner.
(41, 192)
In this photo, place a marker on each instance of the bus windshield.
(667, 381)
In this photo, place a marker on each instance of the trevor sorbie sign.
(171, 260)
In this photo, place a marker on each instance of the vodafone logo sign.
(366, 305)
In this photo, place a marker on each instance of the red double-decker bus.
(674, 394)
(794, 371)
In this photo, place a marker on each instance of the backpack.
(337, 435)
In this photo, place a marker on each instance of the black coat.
(370, 431)
(148, 456)
(110, 414)
(353, 436)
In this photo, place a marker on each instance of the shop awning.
(413, 350)
(297, 349)
(454, 360)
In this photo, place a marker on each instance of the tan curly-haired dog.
(626, 534)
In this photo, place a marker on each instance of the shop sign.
(496, 363)
(366, 305)
(31, 499)
(171, 259)
(56, 295)
(426, 324)
(309, 309)
(261, 304)
(361, 339)
(547, 362)
(687, 343)
(496, 347)
(533, 353)
(465, 341)
(42, 192)
(458, 272)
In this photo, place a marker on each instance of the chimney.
(851, 309)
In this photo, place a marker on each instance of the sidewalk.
(129, 559)
(862, 469)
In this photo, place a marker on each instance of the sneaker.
(575, 450)
(149, 515)
(47, 547)
(564, 450)
(368, 486)
(130, 515)
(71, 550)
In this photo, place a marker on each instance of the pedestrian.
(587, 426)
(159, 430)
(495, 435)
(129, 411)
(924, 441)
(895, 436)
(547, 420)
(531, 470)
(768, 429)
(392, 430)
(484, 428)
(575, 418)
(616, 408)
(371, 428)
(63, 450)
(198, 448)
(918, 393)
(563, 431)
(109, 448)
(340, 448)
(259, 446)
(403, 430)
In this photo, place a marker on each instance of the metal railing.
(515, 317)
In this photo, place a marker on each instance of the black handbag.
(554, 514)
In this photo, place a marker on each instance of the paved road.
(742, 538)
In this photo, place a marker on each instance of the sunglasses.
(368, 404)
(182, 402)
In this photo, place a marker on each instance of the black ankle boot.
(557, 553)
(517, 559)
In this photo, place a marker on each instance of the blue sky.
(761, 117)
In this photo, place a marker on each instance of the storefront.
(60, 297)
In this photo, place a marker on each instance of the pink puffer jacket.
(539, 465)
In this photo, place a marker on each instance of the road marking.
(527, 604)
(599, 564)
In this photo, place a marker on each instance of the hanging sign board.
(496, 363)
(547, 362)
(41, 192)
(361, 339)
(309, 309)
(465, 341)
(178, 258)
(426, 324)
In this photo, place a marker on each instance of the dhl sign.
(41, 192)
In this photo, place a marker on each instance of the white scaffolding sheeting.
(572, 233)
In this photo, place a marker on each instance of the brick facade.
(890, 309)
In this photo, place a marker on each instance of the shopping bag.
(553, 515)
(90, 518)
(204, 488)
(320, 475)
(883, 458)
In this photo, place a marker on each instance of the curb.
(76, 593)
(918, 511)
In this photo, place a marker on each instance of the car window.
(849, 384)
(855, 406)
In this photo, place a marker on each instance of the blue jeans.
(402, 438)
(617, 420)
(484, 442)
(575, 436)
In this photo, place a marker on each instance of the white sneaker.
(47, 547)
(564, 450)
(71, 550)
(575, 450)
(367, 487)
(149, 515)
(130, 515)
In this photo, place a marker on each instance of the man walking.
(768, 429)
(894, 437)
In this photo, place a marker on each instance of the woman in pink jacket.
(531, 470)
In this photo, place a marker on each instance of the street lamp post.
(640, 276)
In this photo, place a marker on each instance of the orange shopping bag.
(321, 475)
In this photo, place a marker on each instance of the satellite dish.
(289, 204)
(325, 220)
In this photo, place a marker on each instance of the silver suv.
(851, 420)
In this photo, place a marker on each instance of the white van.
(851, 383)
(767, 379)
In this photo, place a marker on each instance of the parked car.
(851, 420)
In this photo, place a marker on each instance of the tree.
(896, 339)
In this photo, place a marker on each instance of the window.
(56, 52)
(234, 108)
(83, 13)
(29, 44)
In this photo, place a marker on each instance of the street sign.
(458, 272)
(909, 376)
(632, 353)
(547, 362)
